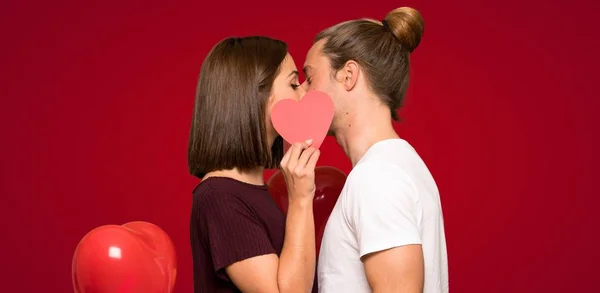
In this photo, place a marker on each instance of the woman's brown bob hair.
(228, 126)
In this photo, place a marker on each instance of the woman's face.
(285, 86)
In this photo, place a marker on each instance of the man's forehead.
(310, 56)
(314, 49)
(307, 63)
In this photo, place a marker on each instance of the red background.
(97, 100)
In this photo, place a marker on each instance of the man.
(386, 231)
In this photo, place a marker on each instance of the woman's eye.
(295, 86)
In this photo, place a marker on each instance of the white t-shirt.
(390, 199)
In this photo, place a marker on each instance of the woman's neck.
(254, 177)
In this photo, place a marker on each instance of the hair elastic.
(385, 25)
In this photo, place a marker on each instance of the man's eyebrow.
(306, 69)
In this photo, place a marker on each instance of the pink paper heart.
(309, 118)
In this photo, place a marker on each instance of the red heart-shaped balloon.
(309, 118)
(160, 242)
(135, 257)
(329, 182)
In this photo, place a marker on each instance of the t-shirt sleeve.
(234, 232)
(381, 208)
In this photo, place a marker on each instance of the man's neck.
(359, 132)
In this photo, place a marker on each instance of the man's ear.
(348, 75)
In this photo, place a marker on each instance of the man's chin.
(330, 133)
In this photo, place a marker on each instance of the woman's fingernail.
(308, 141)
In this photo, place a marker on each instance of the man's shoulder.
(377, 180)
(375, 171)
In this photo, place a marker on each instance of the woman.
(241, 241)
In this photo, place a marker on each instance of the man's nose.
(302, 91)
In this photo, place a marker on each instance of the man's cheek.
(316, 86)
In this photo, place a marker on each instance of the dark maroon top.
(231, 221)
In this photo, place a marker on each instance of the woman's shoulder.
(216, 192)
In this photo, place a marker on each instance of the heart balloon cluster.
(137, 257)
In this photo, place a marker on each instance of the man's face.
(319, 76)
